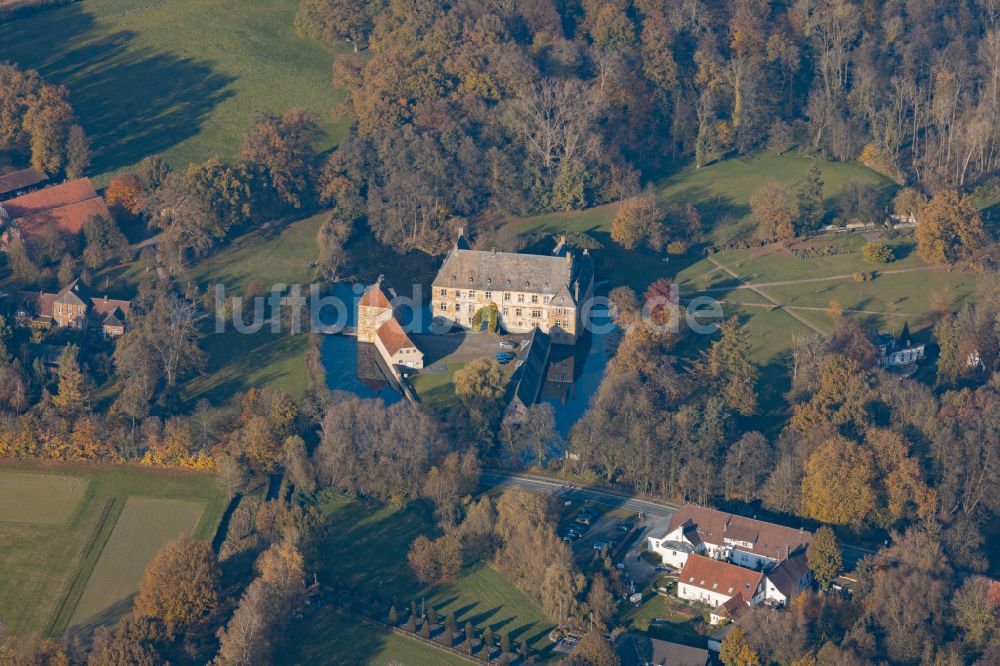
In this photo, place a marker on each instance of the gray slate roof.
(512, 271)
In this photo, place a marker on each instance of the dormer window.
(470, 279)
(452, 278)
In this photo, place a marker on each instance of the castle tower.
(374, 309)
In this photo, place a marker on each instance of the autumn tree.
(435, 561)
(838, 486)
(77, 152)
(639, 221)
(181, 584)
(125, 193)
(824, 555)
(736, 651)
(336, 20)
(776, 211)
(977, 610)
(601, 602)
(279, 150)
(949, 228)
(104, 241)
(480, 386)
(810, 199)
(748, 462)
(593, 650)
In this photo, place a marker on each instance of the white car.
(507, 344)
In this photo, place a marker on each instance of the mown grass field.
(366, 546)
(181, 78)
(144, 525)
(237, 361)
(39, 499)
(333, 639)
(720, 192)
(44, 568)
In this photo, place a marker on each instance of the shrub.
(877, 252)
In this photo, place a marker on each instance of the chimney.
(105, 299)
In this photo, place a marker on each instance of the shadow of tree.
(131, 101)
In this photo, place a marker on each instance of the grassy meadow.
(145, 524)
(182, 78)
(45, 565)
(366, 545)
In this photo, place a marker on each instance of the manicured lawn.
(238, 361)
(720, 192)
(181, 78)
(45, 567)
(144, 525)
(366, 546)
(329, 638)
(436, 389)
(39, 499)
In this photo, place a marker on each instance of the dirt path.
(786, 283)
(769, 306)
(756, 289)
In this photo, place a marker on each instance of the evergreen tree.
(74, 386)
(811, 199)
(824, 556)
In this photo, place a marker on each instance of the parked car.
(503, 361)
(505, 356)
(661, 568)
(507, 344)
(584, 520)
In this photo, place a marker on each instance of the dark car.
(505, 356)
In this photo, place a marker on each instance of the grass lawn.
(331, 638)
(180, 78)
(238, 361)
(667, 618)
(39, 499)
(144, 525)
(366, 546)
(45, 567)
(436, 389)
(721, 192)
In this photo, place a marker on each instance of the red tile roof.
(720, 577)
(69, 218)
(768, 539)
(375, 298)
(393, 337)
(67, 206)
(57, 196)
(18, 180)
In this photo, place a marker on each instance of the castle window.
(472, 294)
(517, 312)
(547, 299)
(536, 314)
(534, 298)
(505, 312)
(506, 296)
(444, 307)
(458, 294)
(489, 295)
(520, 298)
(443, 292)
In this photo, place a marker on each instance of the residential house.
(724, 536)
(787, 579)
(65, 207)
(728, 589)
(638, 650)
(529, 290)
(895, 355)
(75, 306)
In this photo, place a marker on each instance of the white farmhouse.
(723, 536)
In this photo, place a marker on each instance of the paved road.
(536, 484)
(664, 510)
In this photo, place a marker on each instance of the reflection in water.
(358, 369)
(574, 374)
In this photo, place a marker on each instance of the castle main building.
(530, 290)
